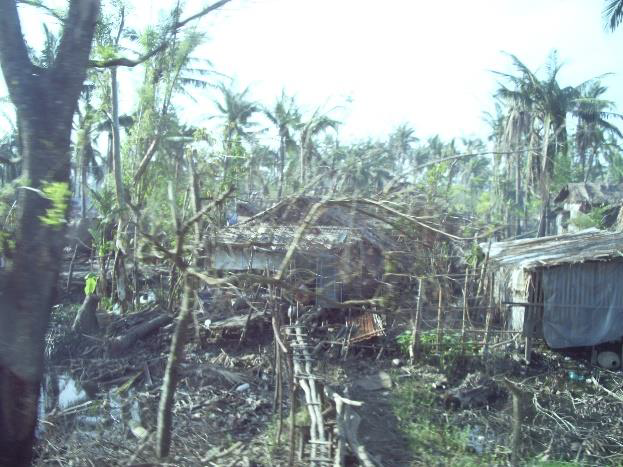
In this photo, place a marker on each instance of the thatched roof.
(590, 193)
(578, 247)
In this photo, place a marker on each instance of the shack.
(341, 252)
(576, 200)
(565, 288)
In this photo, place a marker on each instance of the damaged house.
(339, 256)
(576, 200)
(566, 288)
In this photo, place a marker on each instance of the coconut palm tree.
(538, 110)
(236, 111)
(286, 116)
(317, 124)
(592, 112)
(400, 143)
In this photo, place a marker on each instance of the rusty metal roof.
(578, 247)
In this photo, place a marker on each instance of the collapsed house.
(565, 288)
(576, 200)
(339, 256)
(341, 250)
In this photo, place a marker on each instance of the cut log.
(86, 321)
(119, 345)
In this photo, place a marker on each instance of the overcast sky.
(383, 63)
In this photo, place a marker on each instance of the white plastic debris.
(243, 387)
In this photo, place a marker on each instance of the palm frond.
(613, 13)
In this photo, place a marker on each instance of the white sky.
(384, 63)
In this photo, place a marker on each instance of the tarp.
(583, 303)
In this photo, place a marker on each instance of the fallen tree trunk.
(121, 344)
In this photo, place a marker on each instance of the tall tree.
(592, 112)
(546, 106)
(38, 93)
(236, 111)
(317, 124)
(286, 116)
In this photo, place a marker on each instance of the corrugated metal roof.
(589, 244)
(279, 237)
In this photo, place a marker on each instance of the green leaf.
(90, 283)
(58, 193)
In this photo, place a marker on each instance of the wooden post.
(464, 320)
(489, 317)
(439, 321)
(415, 323)
(528, 328)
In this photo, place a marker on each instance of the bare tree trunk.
(169, 382)
(282, 165)
(119, 264)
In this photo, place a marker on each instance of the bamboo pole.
(415, 323)
(488, 318)
(463, 321)
(439, 320)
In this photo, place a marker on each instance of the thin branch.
(130, 63)
(47, 9)
(127, 62)
(203, 12)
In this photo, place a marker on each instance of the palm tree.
(236, 111)
(541, 108)
(317, 124)
(592, 112)
(286, 116)
(400, 142)
(613, 13)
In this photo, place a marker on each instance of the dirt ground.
(447, 409)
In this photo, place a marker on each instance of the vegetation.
(152, 192)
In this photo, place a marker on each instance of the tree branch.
(130, 63)
(127, 62)
(73, 52)
(16, 65)
(203, 12)
(47, 9)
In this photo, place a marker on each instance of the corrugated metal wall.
(583, 303)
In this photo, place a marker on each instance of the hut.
(576, 200)
(341, 251)
(565, 288)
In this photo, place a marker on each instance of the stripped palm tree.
(538, 111)
(400, 142)
(286, 116)
(236, 111)
(317, 124)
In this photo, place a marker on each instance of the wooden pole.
(415, 323)
(464, 320)
(439, 320)
(488, 317)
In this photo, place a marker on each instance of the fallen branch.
(119, 345)
(348, 422)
